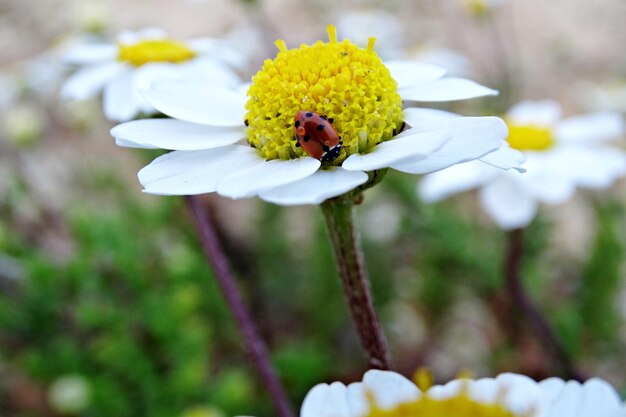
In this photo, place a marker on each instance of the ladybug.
(316, 135)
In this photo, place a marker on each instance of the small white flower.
(121, 70)
(561, 155)
(388, 394)
(361, 96)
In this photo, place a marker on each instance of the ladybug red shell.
(316, 135)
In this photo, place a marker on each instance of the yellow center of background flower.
(155, 50)
(530, 137)
(337, 79)
(459, 406)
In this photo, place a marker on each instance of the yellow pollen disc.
(339, 80)
(530, 137)
(460, 406)
(156, 50)
(476, 8)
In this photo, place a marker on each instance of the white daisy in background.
(457, 64)
(359, 26)
(561, 155)
(480, 8)
(122, 69)
(388, 394)
(360, 96)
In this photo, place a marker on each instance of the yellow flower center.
(154, 50)
(460, 406)
(530, 137)
(476, 8)
(339, 80)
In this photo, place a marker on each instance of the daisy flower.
(241, 142)
(388, 394)
(561, 155)
(122, 69)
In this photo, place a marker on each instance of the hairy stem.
(527, 308)
(254, 343)
(355, 282)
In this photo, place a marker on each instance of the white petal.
(446, 89)
(411, 73)
(219, 49)
(88, 82)
(90, 53)
(316, 188)
(195, 172)
(567, 402)
(545, 179)
(551, 389)
(596, 167)
(120, 101)
(209, 70)
(175, 134)
(470, 138)
(389, 388)
(455, 179)
(267, 175)
(325, 400)
(507, 204)
(415, 116)
(599, 399)
(198, 70)
(505, 158)
(522, 394)
(128, 144)
(197, 103)
(595, 127)
(129, 37)
(408, 145)
(543, 113)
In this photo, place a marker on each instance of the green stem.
(355, 282)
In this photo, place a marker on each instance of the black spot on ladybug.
(309, 114)
(306, 138)
(245, 122)
(297, 124)
(320, 127)
(331, 120)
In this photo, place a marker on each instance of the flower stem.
(254, 343)
(355, 282)
(529, 311)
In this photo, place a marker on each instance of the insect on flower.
(316, 135)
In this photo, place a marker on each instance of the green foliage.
(601, 278)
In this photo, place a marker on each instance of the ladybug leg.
(330, 120)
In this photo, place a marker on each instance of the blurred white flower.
(561, 155)
(121, 70)
(479, 8)
(364, 108)
(360, 26)
(22, 124)
(457, 64)
(603, 97)
(388, 394)
(69, 394)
